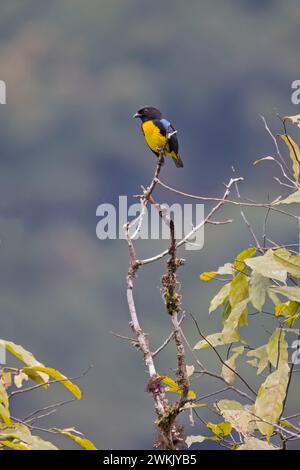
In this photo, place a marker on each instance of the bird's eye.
(146, 110)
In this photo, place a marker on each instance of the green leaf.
(268, 266)
(282, 422)
(270, 398)
(294, 154)
(75, 436)
(239, 262)
(257, 290)
(223, 428)
(56, 375)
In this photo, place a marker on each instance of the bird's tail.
(178, 162)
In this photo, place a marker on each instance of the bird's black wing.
(173, 141)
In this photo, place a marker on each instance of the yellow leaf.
(277, 344)
(257, 290)
(239, 289)
(282, 422)
(75, 436)
(295, 119)
(20, 434)
(220, 297)
(230, 329)
(269, 401)
(290, 321)
(56, 375)
(252, 443)
(241, 257)
(19, 379)
(293, 198)
(263, 159)
(228, 372)
(261, 358)
(5, 378)
(198, 439)
(294, 154)
(222, 428)
(216, 339)
(274, 297)
(4, 406)
(208, 276)
(222, 270)
(27, 358)
(190, 370)
(268, 266)
(237, 415)
(280, 309)
(14, 445)
(289, 261)
(189, 406)
(291, 292)
(173, 387)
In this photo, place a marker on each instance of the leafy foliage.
(18, 434)
(260, 281)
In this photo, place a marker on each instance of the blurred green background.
(76, 71)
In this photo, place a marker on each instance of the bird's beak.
(136, 115)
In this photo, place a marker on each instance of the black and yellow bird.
(159, 133)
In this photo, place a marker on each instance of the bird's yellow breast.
(153, 136)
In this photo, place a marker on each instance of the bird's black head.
(148, 113)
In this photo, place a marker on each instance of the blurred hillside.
(75, 73)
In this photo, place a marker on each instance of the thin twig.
(49, 382)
